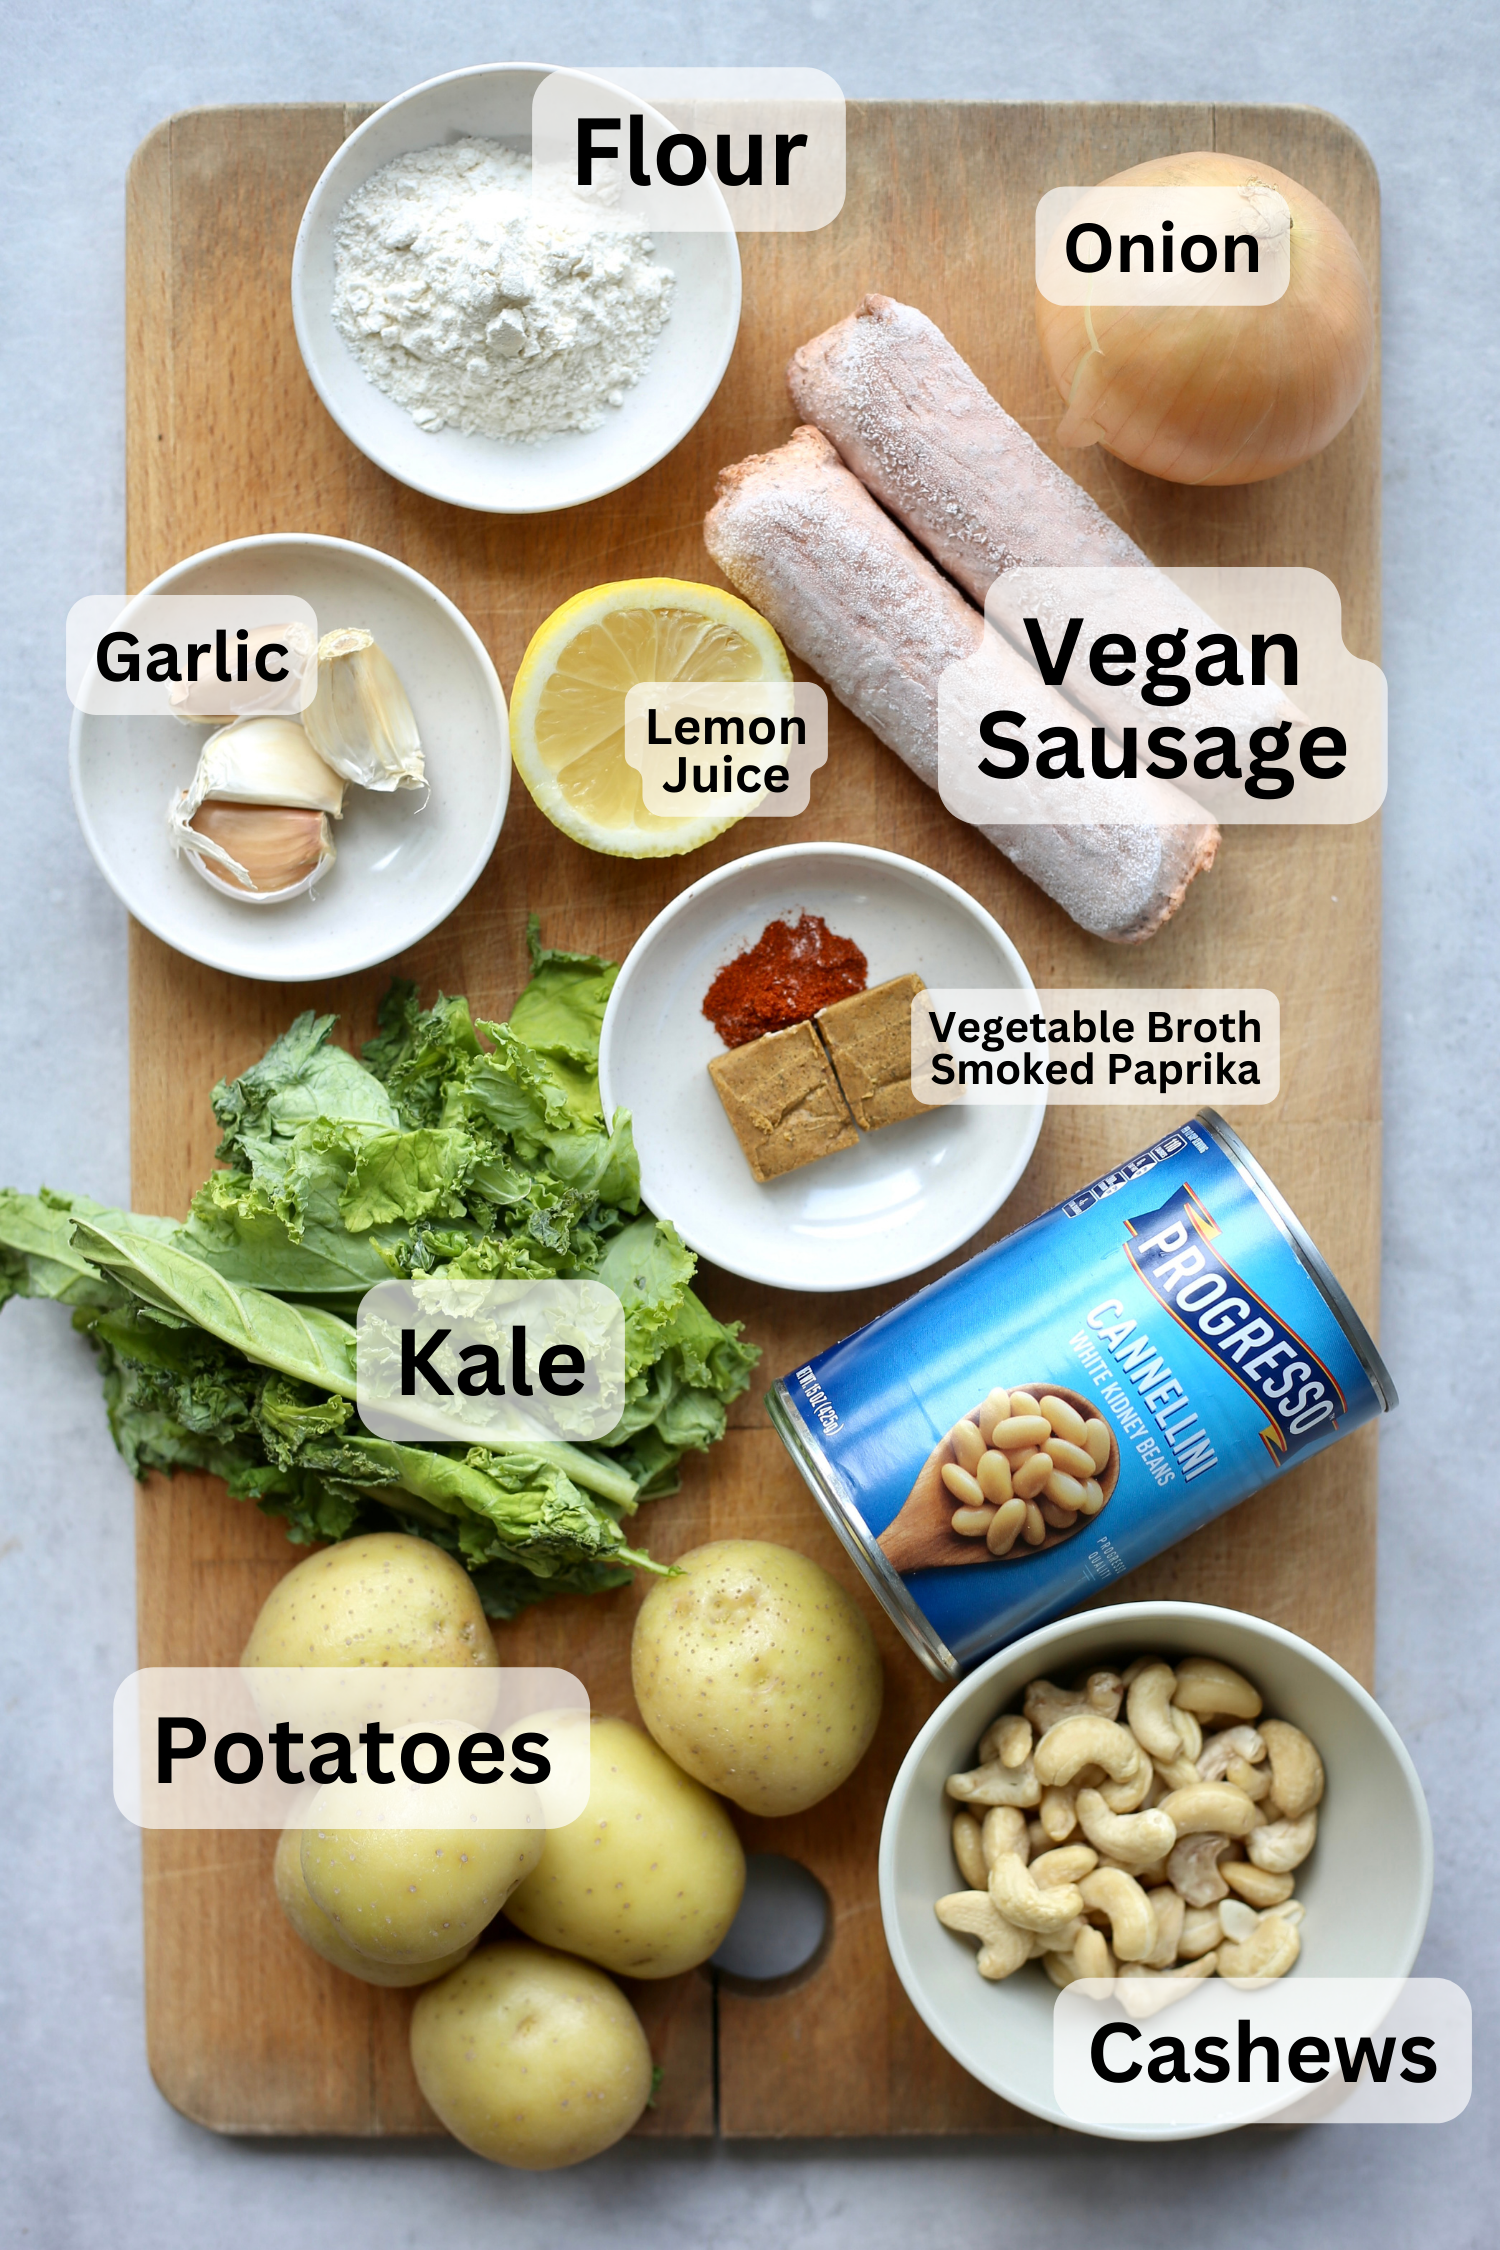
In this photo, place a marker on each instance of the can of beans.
(1087, 1392)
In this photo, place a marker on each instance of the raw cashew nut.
(1266, 1954)
(1188, 1727)
(1015, 1894)
(1008, 1739)
(1283, 1845)
(1170, 1913)
(1068, 1864)
(1133, 1839)
(1088, 1739)
(1037, 1839)
(1044, 1942)
(1214, 1759)
(1254, 1780)
(1132, 1924)
(1200, 1932)
(1144, 1991)
(1180, 1773)
(1104, 1691)
(1091, 1954)
(1058, 1814)
(1131, 1793)
(1296, 1769)
(1210, 1805)
(1148, 1709)
(996, 1785)
(1193, 1868)
(1087, 1956)
(1237, 1920)
(1257, 1885)
(1046, 1703)
(1151, 1877)
(1004, 1830)
(1002, 1948)
(1206, 1686)
(968, 1850)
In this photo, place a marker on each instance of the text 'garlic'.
(255, 818)
(360, 720)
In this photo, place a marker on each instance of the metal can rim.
(1306, 1252)
(886, 1584)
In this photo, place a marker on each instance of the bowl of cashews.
(1153, 1793)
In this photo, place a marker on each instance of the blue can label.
(1166, 1308)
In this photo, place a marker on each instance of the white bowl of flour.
(497, 351)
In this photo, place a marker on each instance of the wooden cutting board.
(247, 2031)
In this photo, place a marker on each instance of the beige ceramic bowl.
(1367, 1900)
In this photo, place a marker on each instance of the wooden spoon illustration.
(922, 1537)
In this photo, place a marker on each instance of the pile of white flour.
(479, 307)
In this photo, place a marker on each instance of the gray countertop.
(90, 2152)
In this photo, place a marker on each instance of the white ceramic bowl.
(404, 860)
(493, 101)
(1367, 1904)
(909, 1193)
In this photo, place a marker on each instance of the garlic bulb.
(360, 720)
(254, 820)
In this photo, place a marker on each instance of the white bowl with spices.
(906, 1195)
(1366, 1885)
(431, 322)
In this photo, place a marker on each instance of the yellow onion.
(1220, 394)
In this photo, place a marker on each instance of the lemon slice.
(567, 709)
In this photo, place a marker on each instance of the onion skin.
(1220, 394)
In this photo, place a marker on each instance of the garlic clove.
(191, 701)
(265, 762)
(263, 852)
(360, 720)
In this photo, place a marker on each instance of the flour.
(478, 307)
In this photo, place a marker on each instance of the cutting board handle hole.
(781, 1934)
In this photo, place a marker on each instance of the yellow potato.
(410, 1894)
(757, 1673)
(321, 1932)
(648, 1880)
(529, 2058)
(383, 1599)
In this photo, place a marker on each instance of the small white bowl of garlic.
(254, 820)
(291, 847)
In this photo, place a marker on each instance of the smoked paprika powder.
(792, 970)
